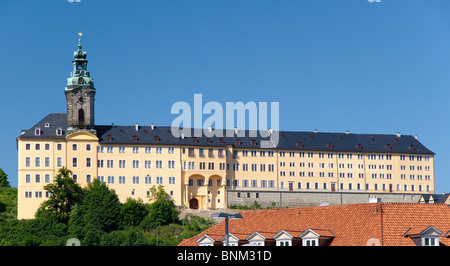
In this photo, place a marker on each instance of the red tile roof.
(353, 224)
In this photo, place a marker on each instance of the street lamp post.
(227, 216)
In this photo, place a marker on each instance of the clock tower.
(80, 95)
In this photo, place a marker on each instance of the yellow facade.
(199, 176)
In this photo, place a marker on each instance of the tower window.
(81, 116)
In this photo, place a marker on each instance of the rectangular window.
(74, 162)
(47, 161)
(135, 163)
(59, 162)
(135, 179)
(88, 162)
(37, 161)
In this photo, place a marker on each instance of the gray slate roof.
(288, 140)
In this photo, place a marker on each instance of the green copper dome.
(79, 76)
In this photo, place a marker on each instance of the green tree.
(158, 193)
(162, 211)
(8, 202)
(64, 194)
(133, 211)
(98, 213)
(3, 179)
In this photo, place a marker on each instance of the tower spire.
(80, 93)
(79, 41)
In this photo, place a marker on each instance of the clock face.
(81, 99)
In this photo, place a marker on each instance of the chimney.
(315, 131)
(347, 132)
(137, 126)
(152, 126)
(398, 134)
(210, 129)
(182, 135)
(236, 130)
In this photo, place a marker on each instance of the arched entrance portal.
(193, 203)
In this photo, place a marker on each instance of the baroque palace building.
(199, 172)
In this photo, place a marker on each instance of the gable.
(256, 237)
(283, 235)
(205, 240)
(81, 135)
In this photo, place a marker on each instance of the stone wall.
(297, 199)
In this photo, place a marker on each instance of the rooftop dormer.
(424, 236)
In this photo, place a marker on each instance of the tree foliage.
(99, 212)
(96, 217)
(133, 212)
(3, 179)
(162, 211)
(64, 194)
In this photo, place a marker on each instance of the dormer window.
(232, 240)
(37, 131)
(256, 239)
(316, 237)
(59, 131)
(47, 124)
(284, 238)
(424, 236)
(205, 240)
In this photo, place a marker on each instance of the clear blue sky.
(333, 65)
